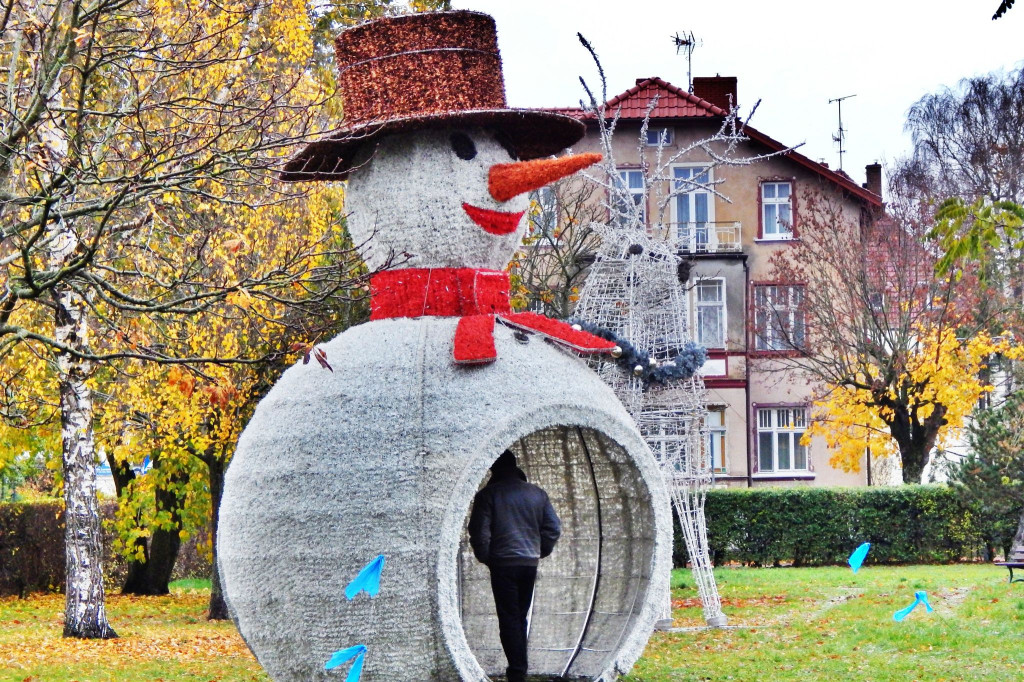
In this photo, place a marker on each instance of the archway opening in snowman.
(590, 591)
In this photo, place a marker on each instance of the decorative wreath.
(687, 360)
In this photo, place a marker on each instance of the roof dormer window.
(658, 137)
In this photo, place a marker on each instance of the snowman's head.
(444, 198)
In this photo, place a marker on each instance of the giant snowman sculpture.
(384, 455)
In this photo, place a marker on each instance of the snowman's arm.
(480, 527)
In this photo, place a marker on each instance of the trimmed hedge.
(821, 526)
(755, 526)
(32, 550)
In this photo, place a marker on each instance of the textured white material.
(383, 456)
(409, 198)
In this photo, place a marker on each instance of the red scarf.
(478, 297)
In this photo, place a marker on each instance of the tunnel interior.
(590, 591)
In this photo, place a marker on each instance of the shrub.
(821, 526)
(31, 557)
(32, 549)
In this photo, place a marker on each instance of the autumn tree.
(891, 345)
(967, 170)
(968, 141)
(899, 339)
(186, 419)
(133, 135)
(139, 139)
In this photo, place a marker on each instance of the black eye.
(463, 146)
(506, 142)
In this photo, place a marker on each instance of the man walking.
(512, 527)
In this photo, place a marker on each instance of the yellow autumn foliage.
(942, 371)
(252, 266)
(186, 417)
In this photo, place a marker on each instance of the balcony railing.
(704, 237)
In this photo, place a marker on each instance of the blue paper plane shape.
(357, 652)
(920, 597)
(368, 579)
(857, 558)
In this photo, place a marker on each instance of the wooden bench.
(1015, 560)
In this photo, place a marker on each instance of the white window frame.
(781, 427)
(693, 236)
(721, 304)
(625, 176)
(768, 334)
(667, 131)
(778, 228)
(716, 435)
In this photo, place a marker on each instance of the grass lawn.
(785, 624)
(829, 624)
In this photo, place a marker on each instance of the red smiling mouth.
(493, 222)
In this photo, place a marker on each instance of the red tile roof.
(674, 102)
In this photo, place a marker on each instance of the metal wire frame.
(633, 289)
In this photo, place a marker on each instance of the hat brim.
(533, 134)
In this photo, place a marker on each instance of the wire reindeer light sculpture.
(635, 290)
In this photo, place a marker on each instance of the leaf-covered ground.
(161, 638)
(785, 624)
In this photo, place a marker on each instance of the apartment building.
(757, 416)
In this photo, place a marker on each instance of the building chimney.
(716, 89)
(873, 173)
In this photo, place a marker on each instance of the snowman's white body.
(384, 455)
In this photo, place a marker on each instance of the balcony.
(704, 237)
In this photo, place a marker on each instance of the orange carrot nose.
(508, 180)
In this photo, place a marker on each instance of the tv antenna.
(842, 131)
(687, 43)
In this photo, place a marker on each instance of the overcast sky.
(793, 55)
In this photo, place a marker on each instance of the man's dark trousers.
(513, 591)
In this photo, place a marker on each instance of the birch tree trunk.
(84, 610)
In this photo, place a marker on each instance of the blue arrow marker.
(920, 597)
(368, 579)
(357, 652)
(857, 558)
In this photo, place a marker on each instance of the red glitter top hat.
(431, 70)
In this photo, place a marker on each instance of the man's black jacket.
(513, 522)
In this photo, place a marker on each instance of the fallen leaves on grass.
(150, 628)
(196, 647)
(735, 602)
